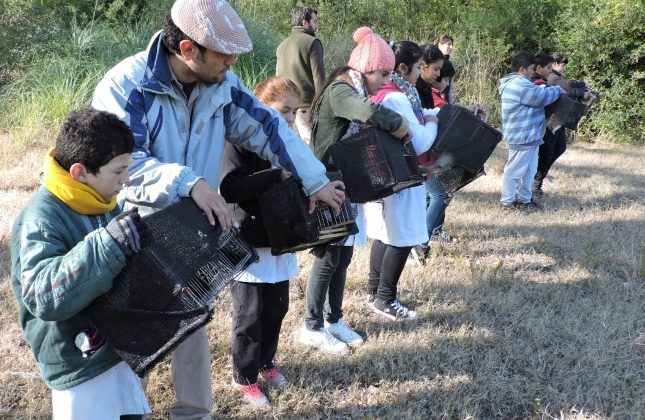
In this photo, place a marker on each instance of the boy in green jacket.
(67, 246)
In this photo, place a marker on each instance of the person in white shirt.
(397, 223)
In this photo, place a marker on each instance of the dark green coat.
(340, 104)
(61, 261)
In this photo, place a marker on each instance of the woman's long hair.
(330, 79)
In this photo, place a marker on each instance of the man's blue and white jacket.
(523, 121)
(175, 148)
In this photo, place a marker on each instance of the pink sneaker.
(251, 394)
(273, 377)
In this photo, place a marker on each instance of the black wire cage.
(467, 141)
(289, 225)
(566, 112)
(375, 165)
(168, 290)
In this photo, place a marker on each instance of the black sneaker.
(444, 237)
(508, 206)
(395, 310)
(420, 254)
(538, 193)
(531, 206)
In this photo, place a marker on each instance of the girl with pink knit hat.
(341, 109)
(397, 223)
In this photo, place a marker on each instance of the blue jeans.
(437, 201)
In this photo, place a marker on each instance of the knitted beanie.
(372, 52)
(447, 70)
(212, 24)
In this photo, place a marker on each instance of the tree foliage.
(604, 40)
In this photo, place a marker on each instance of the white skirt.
(400, 219)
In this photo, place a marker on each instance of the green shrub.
(604, 41)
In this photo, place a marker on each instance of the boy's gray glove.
(130, 232)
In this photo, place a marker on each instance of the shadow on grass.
(515, 347)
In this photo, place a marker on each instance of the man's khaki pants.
(191, 378)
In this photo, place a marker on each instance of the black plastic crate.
(566, 112)
(467, 141)
(375, 165)
(167, 290)
(290, 227)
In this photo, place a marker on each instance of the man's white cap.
(212, 24)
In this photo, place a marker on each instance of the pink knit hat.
(371, 53)
(212, 24)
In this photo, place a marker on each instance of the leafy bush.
(604, 41)
(43, 39)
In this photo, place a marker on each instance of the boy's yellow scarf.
(78, 196)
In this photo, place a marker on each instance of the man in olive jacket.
(300, 58)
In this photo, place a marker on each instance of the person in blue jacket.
(523, 126)
(181, 101)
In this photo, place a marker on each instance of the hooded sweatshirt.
(523, 121)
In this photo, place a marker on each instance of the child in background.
(438, 198)
(441, 83)
(432, 62)
(445, 43)
(396, 222)
(67, 246)
(523, 125)
(342, 109)
(431, 65)
(261, 294)
(551, 150)
(543, 64)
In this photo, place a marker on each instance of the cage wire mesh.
(456, 178)
(566, 112)
(168, 290)
(289, 225)
(375, 165)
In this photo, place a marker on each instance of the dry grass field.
(528, 316)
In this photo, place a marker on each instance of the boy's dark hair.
(521, 59)
(543, 60)
(92, 138)
(301, 13)
(443, 39)
(560, 58)
(406, 52)
(171, 36)
(431, 53)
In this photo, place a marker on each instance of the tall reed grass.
(33, 105)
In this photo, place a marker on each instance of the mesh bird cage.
(566, 112)
(466, 140)
(168, 290)
(289, 225)
(375, 165)
(456, 178)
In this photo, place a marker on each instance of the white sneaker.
(341, 331)
(322, 339)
